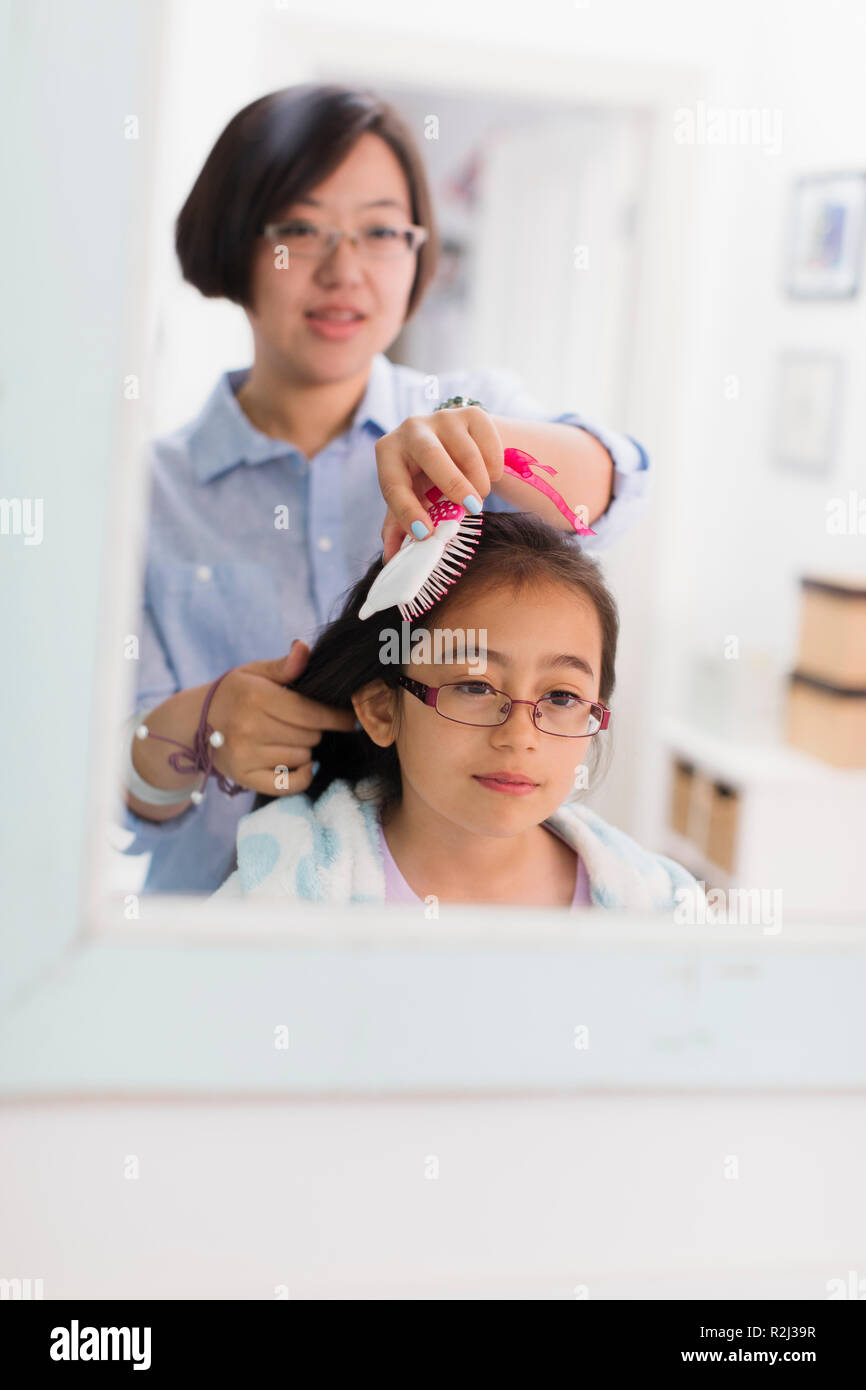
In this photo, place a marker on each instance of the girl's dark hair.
(273, 152)
(515, 550)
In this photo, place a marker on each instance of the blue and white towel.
(329, 851)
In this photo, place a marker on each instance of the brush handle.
(443, 509)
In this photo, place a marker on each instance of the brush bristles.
(447, 570)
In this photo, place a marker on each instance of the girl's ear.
(375, 706)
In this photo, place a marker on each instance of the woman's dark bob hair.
(515, 551)
(272, 152)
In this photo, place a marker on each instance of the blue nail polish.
(419, 530)
(472, 504)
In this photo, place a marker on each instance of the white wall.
(630, 1197)
(747, 531)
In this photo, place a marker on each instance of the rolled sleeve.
(502, 393)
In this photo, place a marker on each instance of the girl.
(458, 782)
(313, 214)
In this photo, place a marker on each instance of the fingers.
(281, 669)
(290, 708)
(483, 430)
(273, 781)
(299, 779)
(264, 731)
(393, 536)
(311, 714)
(462, 456)
(281, 755)
(458, 473)
(470, 451)
(295, 662)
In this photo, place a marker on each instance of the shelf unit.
(800, 823)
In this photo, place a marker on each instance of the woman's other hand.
(459, 450)
(267, 727)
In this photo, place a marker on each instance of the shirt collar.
(222, 436)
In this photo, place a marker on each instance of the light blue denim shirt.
(225, 583)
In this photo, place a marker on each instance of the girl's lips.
(510, 788)
(334, 328)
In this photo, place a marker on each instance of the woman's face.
(282, 297)
(546, 639)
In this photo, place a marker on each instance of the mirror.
(615, 247)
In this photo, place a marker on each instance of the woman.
(313, 213)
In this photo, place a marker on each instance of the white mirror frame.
(188, 1002)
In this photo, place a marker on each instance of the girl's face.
(368, 187)
(545, 639)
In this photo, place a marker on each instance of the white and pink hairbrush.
(421, 571)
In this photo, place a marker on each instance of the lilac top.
(397, 890)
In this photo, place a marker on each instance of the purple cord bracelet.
(198, 758)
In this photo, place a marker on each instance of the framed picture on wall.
(807, 405)
(825, 250)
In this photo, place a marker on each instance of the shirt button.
(324, 542)
(204, 573)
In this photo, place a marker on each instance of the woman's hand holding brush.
(458, 450)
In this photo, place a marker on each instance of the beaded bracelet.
(199, 758)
